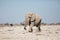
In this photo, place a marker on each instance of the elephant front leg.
(29, 28)
(31, 25)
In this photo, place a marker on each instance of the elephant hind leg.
(39, 28)
(38, 25)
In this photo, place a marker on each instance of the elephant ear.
(38, 18)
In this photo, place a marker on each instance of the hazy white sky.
(13, 11)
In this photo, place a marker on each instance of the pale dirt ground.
(48, 32)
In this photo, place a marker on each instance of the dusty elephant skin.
(32, 19)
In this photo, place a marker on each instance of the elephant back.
(37, 18)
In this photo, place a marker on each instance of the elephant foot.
(31, 30)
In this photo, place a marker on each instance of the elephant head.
(27, 19)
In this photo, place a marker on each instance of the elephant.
(31, 20)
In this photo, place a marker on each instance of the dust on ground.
(48, 32)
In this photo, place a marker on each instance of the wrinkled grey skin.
(32, 20)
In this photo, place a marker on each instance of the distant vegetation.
(23, 23)
(50, 24)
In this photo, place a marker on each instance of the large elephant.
(31, 20)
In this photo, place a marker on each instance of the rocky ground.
(48, 32)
